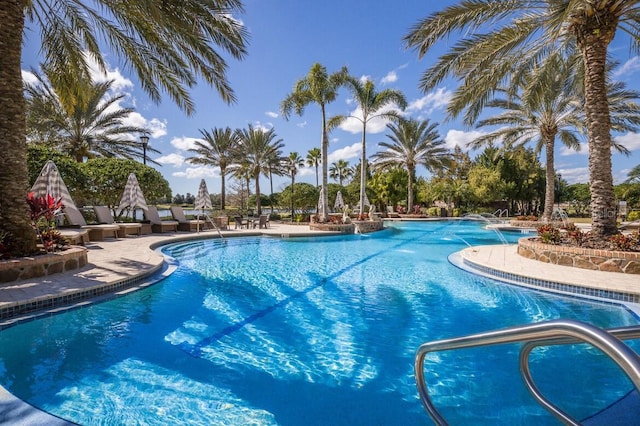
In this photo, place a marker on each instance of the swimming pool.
(306, 331)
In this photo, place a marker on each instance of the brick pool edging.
(579, 257)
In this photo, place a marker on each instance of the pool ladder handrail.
(556, 332)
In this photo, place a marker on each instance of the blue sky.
(287, 37)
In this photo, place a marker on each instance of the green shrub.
(433, 211)
(633, 215)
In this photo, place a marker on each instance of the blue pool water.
(313, 331)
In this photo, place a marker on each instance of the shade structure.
(339, 201)
(321, 212)
(203, 200)
(50, 182)
(132, 196)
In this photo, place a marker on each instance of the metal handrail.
(547, 333)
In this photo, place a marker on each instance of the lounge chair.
(74, 236)
(391, 213)
(630, 226)
(103, 214)
(185, 224)
(157, 224)
(96, 232)
(263, 221)
(240, 223)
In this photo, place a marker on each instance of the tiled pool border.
(548, 286)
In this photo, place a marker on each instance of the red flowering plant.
(43, 213)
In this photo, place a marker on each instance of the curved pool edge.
(502, 263)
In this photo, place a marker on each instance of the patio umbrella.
(366, 203)
(50, 182)
(203, 200)
(339, 201)
(321, 212)
(132, 196)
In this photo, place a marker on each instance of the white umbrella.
(203, 200)
(50, 182)
(366, 202)
(321, 212)
(132, 196)
(339, 201)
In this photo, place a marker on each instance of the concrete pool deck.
(135, 257)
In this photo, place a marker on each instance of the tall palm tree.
(292, 163)
(169, 48)
(495, 48)
(540, 109)
(314, 158)
(216, 149)
(372, 105)
(412, 143)
(257, 148)
(321, 88)
(340, 171)
(88, 125)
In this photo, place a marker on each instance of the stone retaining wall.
(600, 260)
(335, 227)
(39, 266)
(366, 226)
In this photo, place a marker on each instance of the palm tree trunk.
(603, 213)
(325, 174)
(223, 191)
(550, 173)
(410, 190)
(363, 167)
(292, 183)
(258, 206)
(14, 217)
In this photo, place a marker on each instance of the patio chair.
(240, 223)
(103, 214)
(158, 225)
(391, 213)
(263, 221)
(185, 224)
(75, 236)
(96, 232)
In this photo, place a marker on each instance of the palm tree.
(412, 143)
(241, 171)
(257, 148)
(320, 88)
(168, 51)
(372, 105)
(217, 150)
(292, 163)
(314, 158)
(88, 125)
(340, 171)
(495, 48)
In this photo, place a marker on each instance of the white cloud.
(346, 153)
(271, 114)
(120, 83)
(157, 127)
(184, 143)
(353, 124)
(391, 77)
(302, 124)
(575, 175)
(565, 151)
(308, 171)
(198, 173)
(628, 68)
(264, 127)
(630, 140)
(176, 160)
(431, 101)
(28, 77)
(461, 138)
